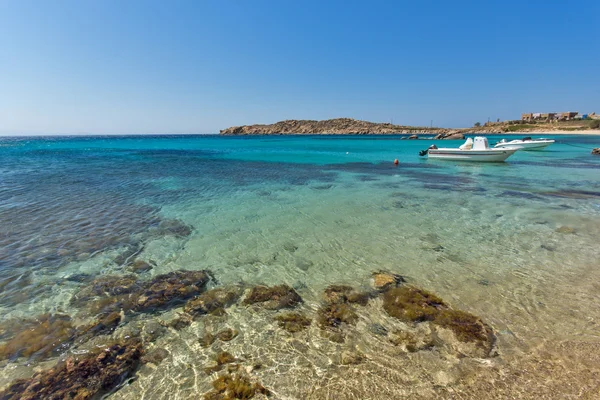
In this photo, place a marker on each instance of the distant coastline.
(349, 126)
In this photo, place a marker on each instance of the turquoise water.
(514, 243)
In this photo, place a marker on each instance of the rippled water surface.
(514, 243)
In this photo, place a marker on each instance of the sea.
(514, 243)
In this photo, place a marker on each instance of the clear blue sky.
(127, 66)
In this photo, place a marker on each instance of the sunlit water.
(515, 243)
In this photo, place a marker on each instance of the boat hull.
(491, 155)
(534, 145)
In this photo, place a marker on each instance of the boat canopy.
(481, 143)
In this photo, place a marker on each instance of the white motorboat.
(526, 143)
(471, 150)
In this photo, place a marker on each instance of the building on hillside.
(566, 116)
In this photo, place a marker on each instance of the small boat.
(527, 143)
(471, 150)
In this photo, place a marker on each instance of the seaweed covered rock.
(46, 336)
(114, 293)
(468, 334)
(108, 285)
(212, 301)
(333, 315)
(411, 304)
(469, 329)
(227, 334)
(171, 289)
(383, 280)
(274, 297)
(221, 359)
(336, 294)
(106, 324)
(81, 377)
(293, 322)
(235, 386)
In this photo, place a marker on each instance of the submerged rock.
(139, 266)
(108, 285)
(349, 357)
(227, 334)
(171, 289)
(410, 304)
(81, 377)
(566, 229)
(212, 301)
(155, 356)
(47, 336)
(336, 294)
(104, 325)
(383, 280)
(411, 342)
(333, 315)
(274, 297)
(235, 386)
(174, 227)
(467, 328)
(293, 322)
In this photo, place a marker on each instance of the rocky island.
(337, 126)
(349, 126)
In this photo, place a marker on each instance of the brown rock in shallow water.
(108, 285)
(47, 336)
(293, 322)
(596, 151)
(227, 334)
(384, 280)
(81, 377)
(333, 315)
(411, 304)
(105, 324)
(212, 300)
(235, 386)
(171, 289)
(337, 294)
(274, 297)
(466, 327)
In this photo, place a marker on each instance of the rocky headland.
(349, 126)
(337, 126)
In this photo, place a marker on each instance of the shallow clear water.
(514, 243)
